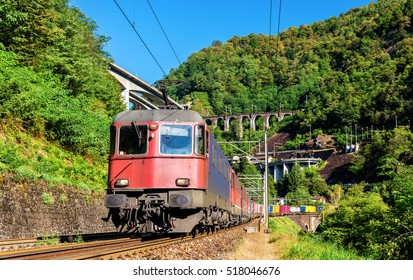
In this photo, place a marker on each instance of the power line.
(269, 36)
(279, 17)
(164, 33)
(278, 28)
(137, 33)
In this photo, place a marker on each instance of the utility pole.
(355, 132)
(310, 132)
(345, 149)
(266, 214)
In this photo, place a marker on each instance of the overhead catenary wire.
(279, 24)
(139, 36)
(269, 32)
(164, 33)
(278, 28)
(277, 39)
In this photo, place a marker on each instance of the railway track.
(17, 244)
(64, 250)
(99, 250)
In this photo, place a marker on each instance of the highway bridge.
(138, 92)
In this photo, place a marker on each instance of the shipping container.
(284, 209)
(274, 209)
(294, 209)
(310, 209)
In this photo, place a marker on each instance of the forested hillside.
(56, 95)
(355, 68)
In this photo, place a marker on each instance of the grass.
(47, 199)
(33, 158)
(298, 245)
(312, 248)
(49, 240)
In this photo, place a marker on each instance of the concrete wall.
(24, 212)
(307, 222)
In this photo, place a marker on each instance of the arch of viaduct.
(243, 118)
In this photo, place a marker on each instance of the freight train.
(167, 174)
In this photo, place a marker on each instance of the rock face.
(32, 209)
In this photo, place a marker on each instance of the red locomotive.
(168, 174)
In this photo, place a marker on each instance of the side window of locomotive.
(133, 139)
(112, 140)
(199, 140)
(214, 156)
(207, 143)
(176, 139)
(220, 164)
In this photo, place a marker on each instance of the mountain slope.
(355, 68)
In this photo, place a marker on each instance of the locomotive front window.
(133, 139)
(176, 139)
(200, 140)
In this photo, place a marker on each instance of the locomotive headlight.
(182, 182)
(122, 183)
(153, 126)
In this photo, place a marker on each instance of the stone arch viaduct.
(225, 121)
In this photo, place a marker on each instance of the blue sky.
(192, 25)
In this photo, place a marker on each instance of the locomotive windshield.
(133, 139)
(176, 139)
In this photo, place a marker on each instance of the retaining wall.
(33, 209)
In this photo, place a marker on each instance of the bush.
(47, 199)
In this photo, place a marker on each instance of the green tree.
(314, 182)
(358, 222)
(295, 178)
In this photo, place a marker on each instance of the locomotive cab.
(161, 177)
(157, 168)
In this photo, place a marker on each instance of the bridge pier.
(282, 167)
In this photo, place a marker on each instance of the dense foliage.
(293, 244)
(54, 81)
(376, 219)
(53, 73)
(300, 184)
(355, 68)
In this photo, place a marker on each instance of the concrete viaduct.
(138, 92)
